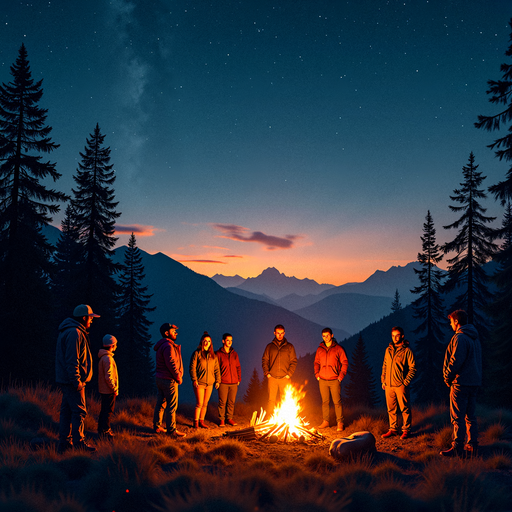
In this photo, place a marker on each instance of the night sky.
(311, 136)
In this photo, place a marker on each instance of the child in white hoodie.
(108, 384)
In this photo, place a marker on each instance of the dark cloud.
(233, 256)
(241, 234)
(136, 229)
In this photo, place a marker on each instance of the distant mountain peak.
(275, 284)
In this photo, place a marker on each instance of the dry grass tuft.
(375, 425)
(320, 463)
(231, 449)
(443, 438)
(497, 431)
(462, 485)
(499, 461)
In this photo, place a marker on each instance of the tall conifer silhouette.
(428, 307)
(69, 258)
(396, 305)
(26, 205)
(500, 357)
(93, 216)
(473, 247)
(134, 354)
(361, 388)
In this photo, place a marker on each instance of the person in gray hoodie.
(73, 369)
(462, 373)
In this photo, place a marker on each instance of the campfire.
(285, 425)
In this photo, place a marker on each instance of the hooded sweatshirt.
(73, 358)
(108, 380)
(463, 358)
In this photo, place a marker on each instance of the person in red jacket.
(331, 366)
(168, 376)
(230, 378)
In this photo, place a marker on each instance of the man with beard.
(168, 376)
(279, 362)
(73, 369)
(398, 371)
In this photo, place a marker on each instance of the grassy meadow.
(205, 471)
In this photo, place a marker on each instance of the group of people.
(221, 370)
(208, 369)
(462, 373)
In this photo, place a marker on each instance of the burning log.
(284, 425)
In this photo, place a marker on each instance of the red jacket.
(230, 369)
(169, 365)
(331, 363)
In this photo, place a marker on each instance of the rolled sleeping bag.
(354, 443)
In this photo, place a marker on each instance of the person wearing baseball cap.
(168, 376)
(73, 369)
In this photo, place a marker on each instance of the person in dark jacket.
(73, 369)
(462, 373)
(331, 366)
(205, 374)
(230, 378)
(278, 362)
(168, 376)
(398, 370)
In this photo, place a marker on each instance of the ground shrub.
(46, 479)
(443, 438)
(261, 485)
(76, 467)
(320, 463)
(497, 431)
(461, 485)
(230, 449)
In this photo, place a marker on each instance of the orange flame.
(289, 409)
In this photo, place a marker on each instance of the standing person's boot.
(196, 424)
(202, 424)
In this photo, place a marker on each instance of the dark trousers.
(463, 414)
(330, 388)
(227, 396)
(108, 402)
(72, 414)
(167, 399)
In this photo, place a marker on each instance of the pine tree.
(361, 388)
(500, 310)
(428, 307)
(94, 214)
(69, 258)
(255, 395)
(473, 248)
(396, 305)
(134, 352)
(26, 205)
